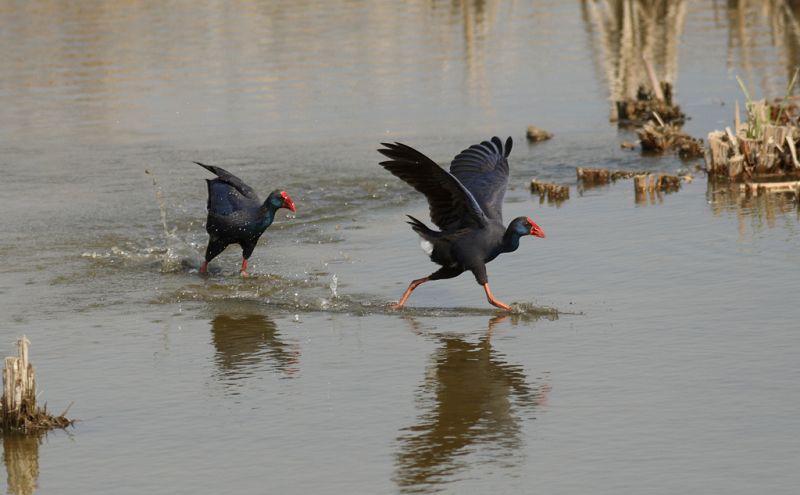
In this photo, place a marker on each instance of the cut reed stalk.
(19, 410)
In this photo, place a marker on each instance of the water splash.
(298, 297)
(178, 253)
(162, 204)
(333, 286)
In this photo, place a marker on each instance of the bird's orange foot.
(492, 300)
(501, 305)
(244, 274)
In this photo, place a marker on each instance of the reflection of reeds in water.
(472, 399)
(627, 30)
(111, 59)
(752, 24)
(246, 340)
(21, 457)
(761, 211)
(643, 198)
(477, 17)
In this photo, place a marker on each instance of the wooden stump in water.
(555, 193)
(19, 386)
(640, 183)
(651, 182)
(593, 176)
(19, 409)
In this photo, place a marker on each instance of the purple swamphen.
(466, 204)
(236, 215)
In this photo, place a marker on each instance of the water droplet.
(334, 285)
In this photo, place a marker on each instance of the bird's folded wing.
(452, 206)
(231, 179)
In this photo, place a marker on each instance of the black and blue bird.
(466, 204)
(236, 215)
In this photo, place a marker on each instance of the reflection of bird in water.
(244, 341)
(472, 398)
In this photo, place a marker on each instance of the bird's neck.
(266, 214)
(510, 240)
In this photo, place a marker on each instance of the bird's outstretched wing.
(228, 193)
(483, 170)
(452, 206)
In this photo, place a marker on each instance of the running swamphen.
(467, 206)
(236, 215)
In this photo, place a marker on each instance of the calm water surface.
(654, 348)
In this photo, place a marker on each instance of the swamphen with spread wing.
(467, 206)
(236, 215)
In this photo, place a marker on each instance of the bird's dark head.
(280, 199)
(526, 226)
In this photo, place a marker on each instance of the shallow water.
(653, 346)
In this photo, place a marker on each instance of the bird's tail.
(423, 230)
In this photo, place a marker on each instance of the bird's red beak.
(287, 201)
(536, 230)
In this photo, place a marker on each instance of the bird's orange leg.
(204, 268)
(492, 300)
(243, 271)
(413, 285)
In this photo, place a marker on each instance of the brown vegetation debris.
(623, 174)
(637, 111)
(660, 137)
(593, 176)
(536, 134)
(764, 146)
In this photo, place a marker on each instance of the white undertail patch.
(426, 246)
